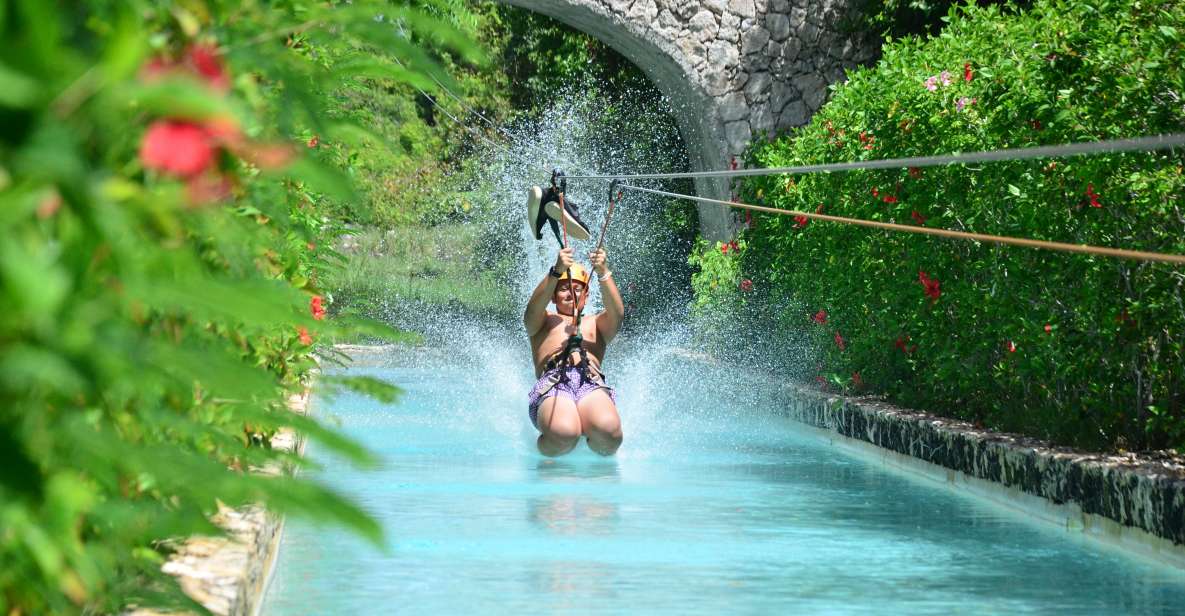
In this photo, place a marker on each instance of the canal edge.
(1118, 500)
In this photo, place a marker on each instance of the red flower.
(181, 149)
(1094, 197)
(1011, 346)
(857, 380)
(890, 199)
(902, 343)
(800, 221)
(317, 308)
(305, 338)
(918, 218)
(723, 248)
(839, 341)
(733, 164)
(1048, 328)
(930, 286)
(875, 192)
(746, 285)
(915, 172)
(204, 60)
(733, 246)
(821, 317)
(748, 218)
(967, 72)
(314, 141)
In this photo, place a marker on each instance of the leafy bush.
(1083, 350)
(161, 241)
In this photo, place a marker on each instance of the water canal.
(715, 504)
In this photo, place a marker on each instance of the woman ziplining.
(570, 398)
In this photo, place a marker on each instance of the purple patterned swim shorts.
(569, 383)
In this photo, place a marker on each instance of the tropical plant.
(165, 169)
(1081, 349)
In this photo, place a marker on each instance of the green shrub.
(162, 232)
(1080, 349)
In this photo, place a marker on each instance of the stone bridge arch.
(732, 68)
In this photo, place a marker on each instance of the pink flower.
(944, 77)
(178, 148)
(746, 285)
(820, 317)
(839, 341)
(931, 83)
(964, 102)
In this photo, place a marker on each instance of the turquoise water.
(713, 505)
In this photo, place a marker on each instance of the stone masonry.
(732, 68)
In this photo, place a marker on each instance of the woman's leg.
(559, 424)
(602, 425)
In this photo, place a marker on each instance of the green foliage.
(543, 58)
(161, 245)
(1080, 349)
(398, 269)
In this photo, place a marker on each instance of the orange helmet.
(577, 273)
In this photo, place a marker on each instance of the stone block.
(754, 40)
(716, 83)
(797, 18)
(737, 135)
(739, 80)
(760, 119)
(643, 12)
(703, 25)
(778, 25)
(781, 93)
(668, 22)
(716, 6)
(744, 8)
(723, 55)
(795, 114)
(733, 107)
(779, 6)
(758, 86)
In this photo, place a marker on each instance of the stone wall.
(228, 575)
(732, 68)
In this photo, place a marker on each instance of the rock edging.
(1136, 502)
(228, 575)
